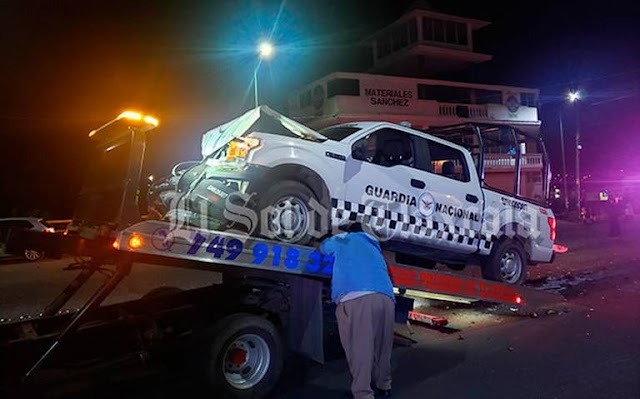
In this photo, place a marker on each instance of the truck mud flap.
(306, 335)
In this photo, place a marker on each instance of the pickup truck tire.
(33, 255)
(244, 356)
(289, 213)
(506, 263)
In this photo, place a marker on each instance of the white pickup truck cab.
(427, 199)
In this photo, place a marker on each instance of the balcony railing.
(463, 110)
(499, 161)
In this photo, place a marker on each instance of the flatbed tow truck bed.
(286, 285)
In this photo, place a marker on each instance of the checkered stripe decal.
(342, 211)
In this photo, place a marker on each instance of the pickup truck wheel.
(32, 255)
(245, 358)
(506, 264)
(288, 211)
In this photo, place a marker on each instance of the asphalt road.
(587, 346)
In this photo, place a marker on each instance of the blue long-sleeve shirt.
(358, 265)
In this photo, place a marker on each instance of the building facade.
(346, 97)
(404, 83)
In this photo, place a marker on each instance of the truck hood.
(260, 119)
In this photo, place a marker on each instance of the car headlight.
(239, 148)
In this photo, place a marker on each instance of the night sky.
(69, 66)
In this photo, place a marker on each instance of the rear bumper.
(55, 245)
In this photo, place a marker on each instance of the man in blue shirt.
(362, 289)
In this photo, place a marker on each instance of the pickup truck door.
(390, 184)
(453, 187)
(377, 190)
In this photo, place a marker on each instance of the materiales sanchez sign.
(388, 96)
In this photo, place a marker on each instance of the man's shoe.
(382, 393)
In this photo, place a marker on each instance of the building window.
(461, 30)
(427, 29)
(383, 46)
(438, 30)
(488, 96)
(305, 99)
(413, 31)
(450, 32)
(397, 38)
(528, 99)
(343, 87)
(400, 37)
(445, 94)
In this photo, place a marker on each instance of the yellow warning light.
(136, 116)
(151, 120)
(135, 242)
(116, 244)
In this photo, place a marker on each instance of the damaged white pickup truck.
(428, 200)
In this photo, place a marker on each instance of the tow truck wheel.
(245, 358)
(289, 213)
(506, 264)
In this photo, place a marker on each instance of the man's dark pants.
(366, 333)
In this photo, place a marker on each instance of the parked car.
(28, 223)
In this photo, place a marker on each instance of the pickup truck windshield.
(338, 133)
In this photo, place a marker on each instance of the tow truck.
(271, 297)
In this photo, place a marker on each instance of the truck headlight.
(239, 148)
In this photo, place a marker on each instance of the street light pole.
(255, 83)
(574, 97)
(578, 148)
(564, 166)
(265, 52)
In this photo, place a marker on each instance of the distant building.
(397, 87)
(404, 84)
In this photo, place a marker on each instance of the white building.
(421, 43)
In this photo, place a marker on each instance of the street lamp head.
(573, 96)
(266, 50)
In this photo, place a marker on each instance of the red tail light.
(552, 228)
